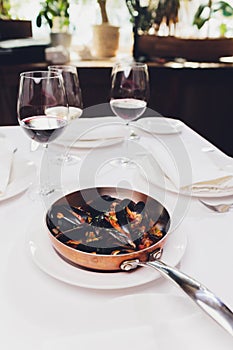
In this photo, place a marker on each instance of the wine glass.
(74, 98)
(72, 88)
(42, 112)
(129, 93)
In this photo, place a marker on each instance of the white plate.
(93, 132)
(161, 125)
(22, 174)
(96, 143)
(48, 260)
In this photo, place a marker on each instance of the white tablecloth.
(38, 311)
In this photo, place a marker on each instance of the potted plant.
(105, 35)
(149, 44)
(147, 19)
(56, 14)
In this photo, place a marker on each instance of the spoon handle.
(203, 297)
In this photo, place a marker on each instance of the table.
(41, 312)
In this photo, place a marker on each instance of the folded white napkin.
(92, 129)
(160, 125)
(188, 168)
(6, 157)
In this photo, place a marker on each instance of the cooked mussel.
(100, 205)
(61, 217)
(122, 209)
(80, 214)
(106, 225)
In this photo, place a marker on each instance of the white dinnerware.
(46, 258)
(93, 132)
(6, 160)
(22, 175)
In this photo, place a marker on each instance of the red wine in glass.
(43, 129)
(43, 113)
(128, 108)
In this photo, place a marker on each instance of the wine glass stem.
(128, 139)
(133, 135)
(46, 184)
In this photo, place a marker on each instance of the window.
(83, 15)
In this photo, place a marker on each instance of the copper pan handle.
(203, 297)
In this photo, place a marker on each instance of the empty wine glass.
(42, 112)
(129, 93)
(74, 98)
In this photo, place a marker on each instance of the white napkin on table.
(208, 174)
(188, 168)
(6, 158)
(91, 129)
(160, 125)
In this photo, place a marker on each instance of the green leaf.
(224, 7)
(39, 20)
(199, 20)
(49, 20)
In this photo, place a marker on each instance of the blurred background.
(187, 44)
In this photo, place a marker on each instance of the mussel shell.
(121, 212)
(66, 217)
(100, 205)
(100, 242)
(61, 217)
(126, 202)
(100, 221)
(108, 198)
(84, 215)
(139, 207)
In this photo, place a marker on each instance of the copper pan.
(148, 257)
(109, 262)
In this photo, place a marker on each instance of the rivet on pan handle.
(134, 263)
(156, 254)
(130, 264)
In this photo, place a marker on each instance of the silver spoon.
(219, 208)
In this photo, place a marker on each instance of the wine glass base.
(37, 194)
(68, 159)
(134, 136)
(123, 162)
